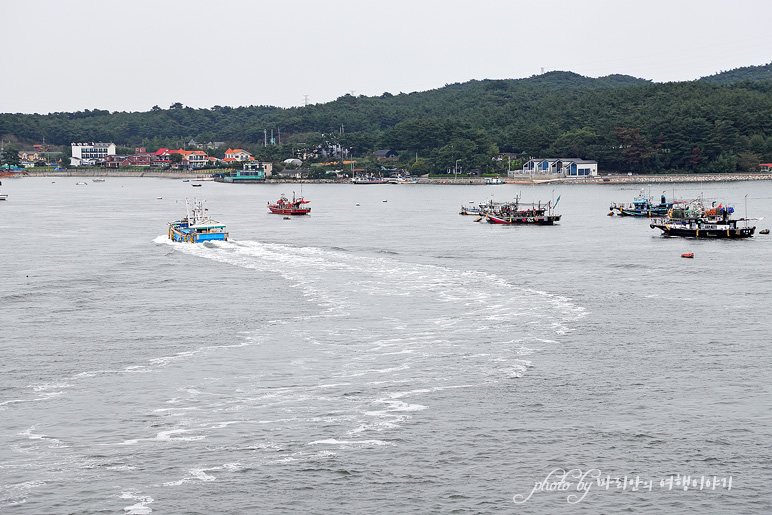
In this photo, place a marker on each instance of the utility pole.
(305, 100)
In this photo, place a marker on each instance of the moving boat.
(524, 214)
(643, 206)
(196, 227)
(697, 221)
(98, 179)
(284, 206)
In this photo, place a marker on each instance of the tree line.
(721, 123)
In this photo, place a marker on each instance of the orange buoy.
(687, 255)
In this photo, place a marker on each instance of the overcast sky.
(71, 55)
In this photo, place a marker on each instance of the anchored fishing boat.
(196, 227)
(284, 206)
(524, 214)
(403, 179)
(484, 208)
(697, 221)
(643, 206)
(368, 179)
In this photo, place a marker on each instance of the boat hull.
(181, 235)
(277, 210)
(730, 233)
(524, 220)
(649, 213)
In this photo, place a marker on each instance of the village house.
(258, 166)
(566, 167)
(212, 144)
(140, 158)
(190, 158)
(237, 154)
(385, 155)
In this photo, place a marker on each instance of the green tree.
(726, 162)
(748, 161)
(10, 157)
(419, 167)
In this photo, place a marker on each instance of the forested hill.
(718, 123)
(751, 73)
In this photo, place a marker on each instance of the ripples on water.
(359, 373)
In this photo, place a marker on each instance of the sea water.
(381, 355)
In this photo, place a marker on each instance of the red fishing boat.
(284, 206)
(521, 214)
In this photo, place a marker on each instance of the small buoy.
(478, 219)
(159, 198)
(687, 255)
(286, 218)
(764, 231)
(611, 213)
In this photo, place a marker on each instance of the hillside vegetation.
(720, 123)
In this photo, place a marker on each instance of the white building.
(565, 166)
(83, 153)
(237, 154)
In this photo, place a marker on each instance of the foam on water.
(141, 507)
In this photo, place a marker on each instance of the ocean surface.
(381, 355)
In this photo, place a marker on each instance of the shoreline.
(609, 179)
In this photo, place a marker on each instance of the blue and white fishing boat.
(196, 227)
(643, 206)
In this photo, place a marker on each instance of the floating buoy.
(478, 219)
(286, 218)
(764, 231)
(687, 255)
(159, 198)
(611, 213)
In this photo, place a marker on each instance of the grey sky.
(70, 55)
